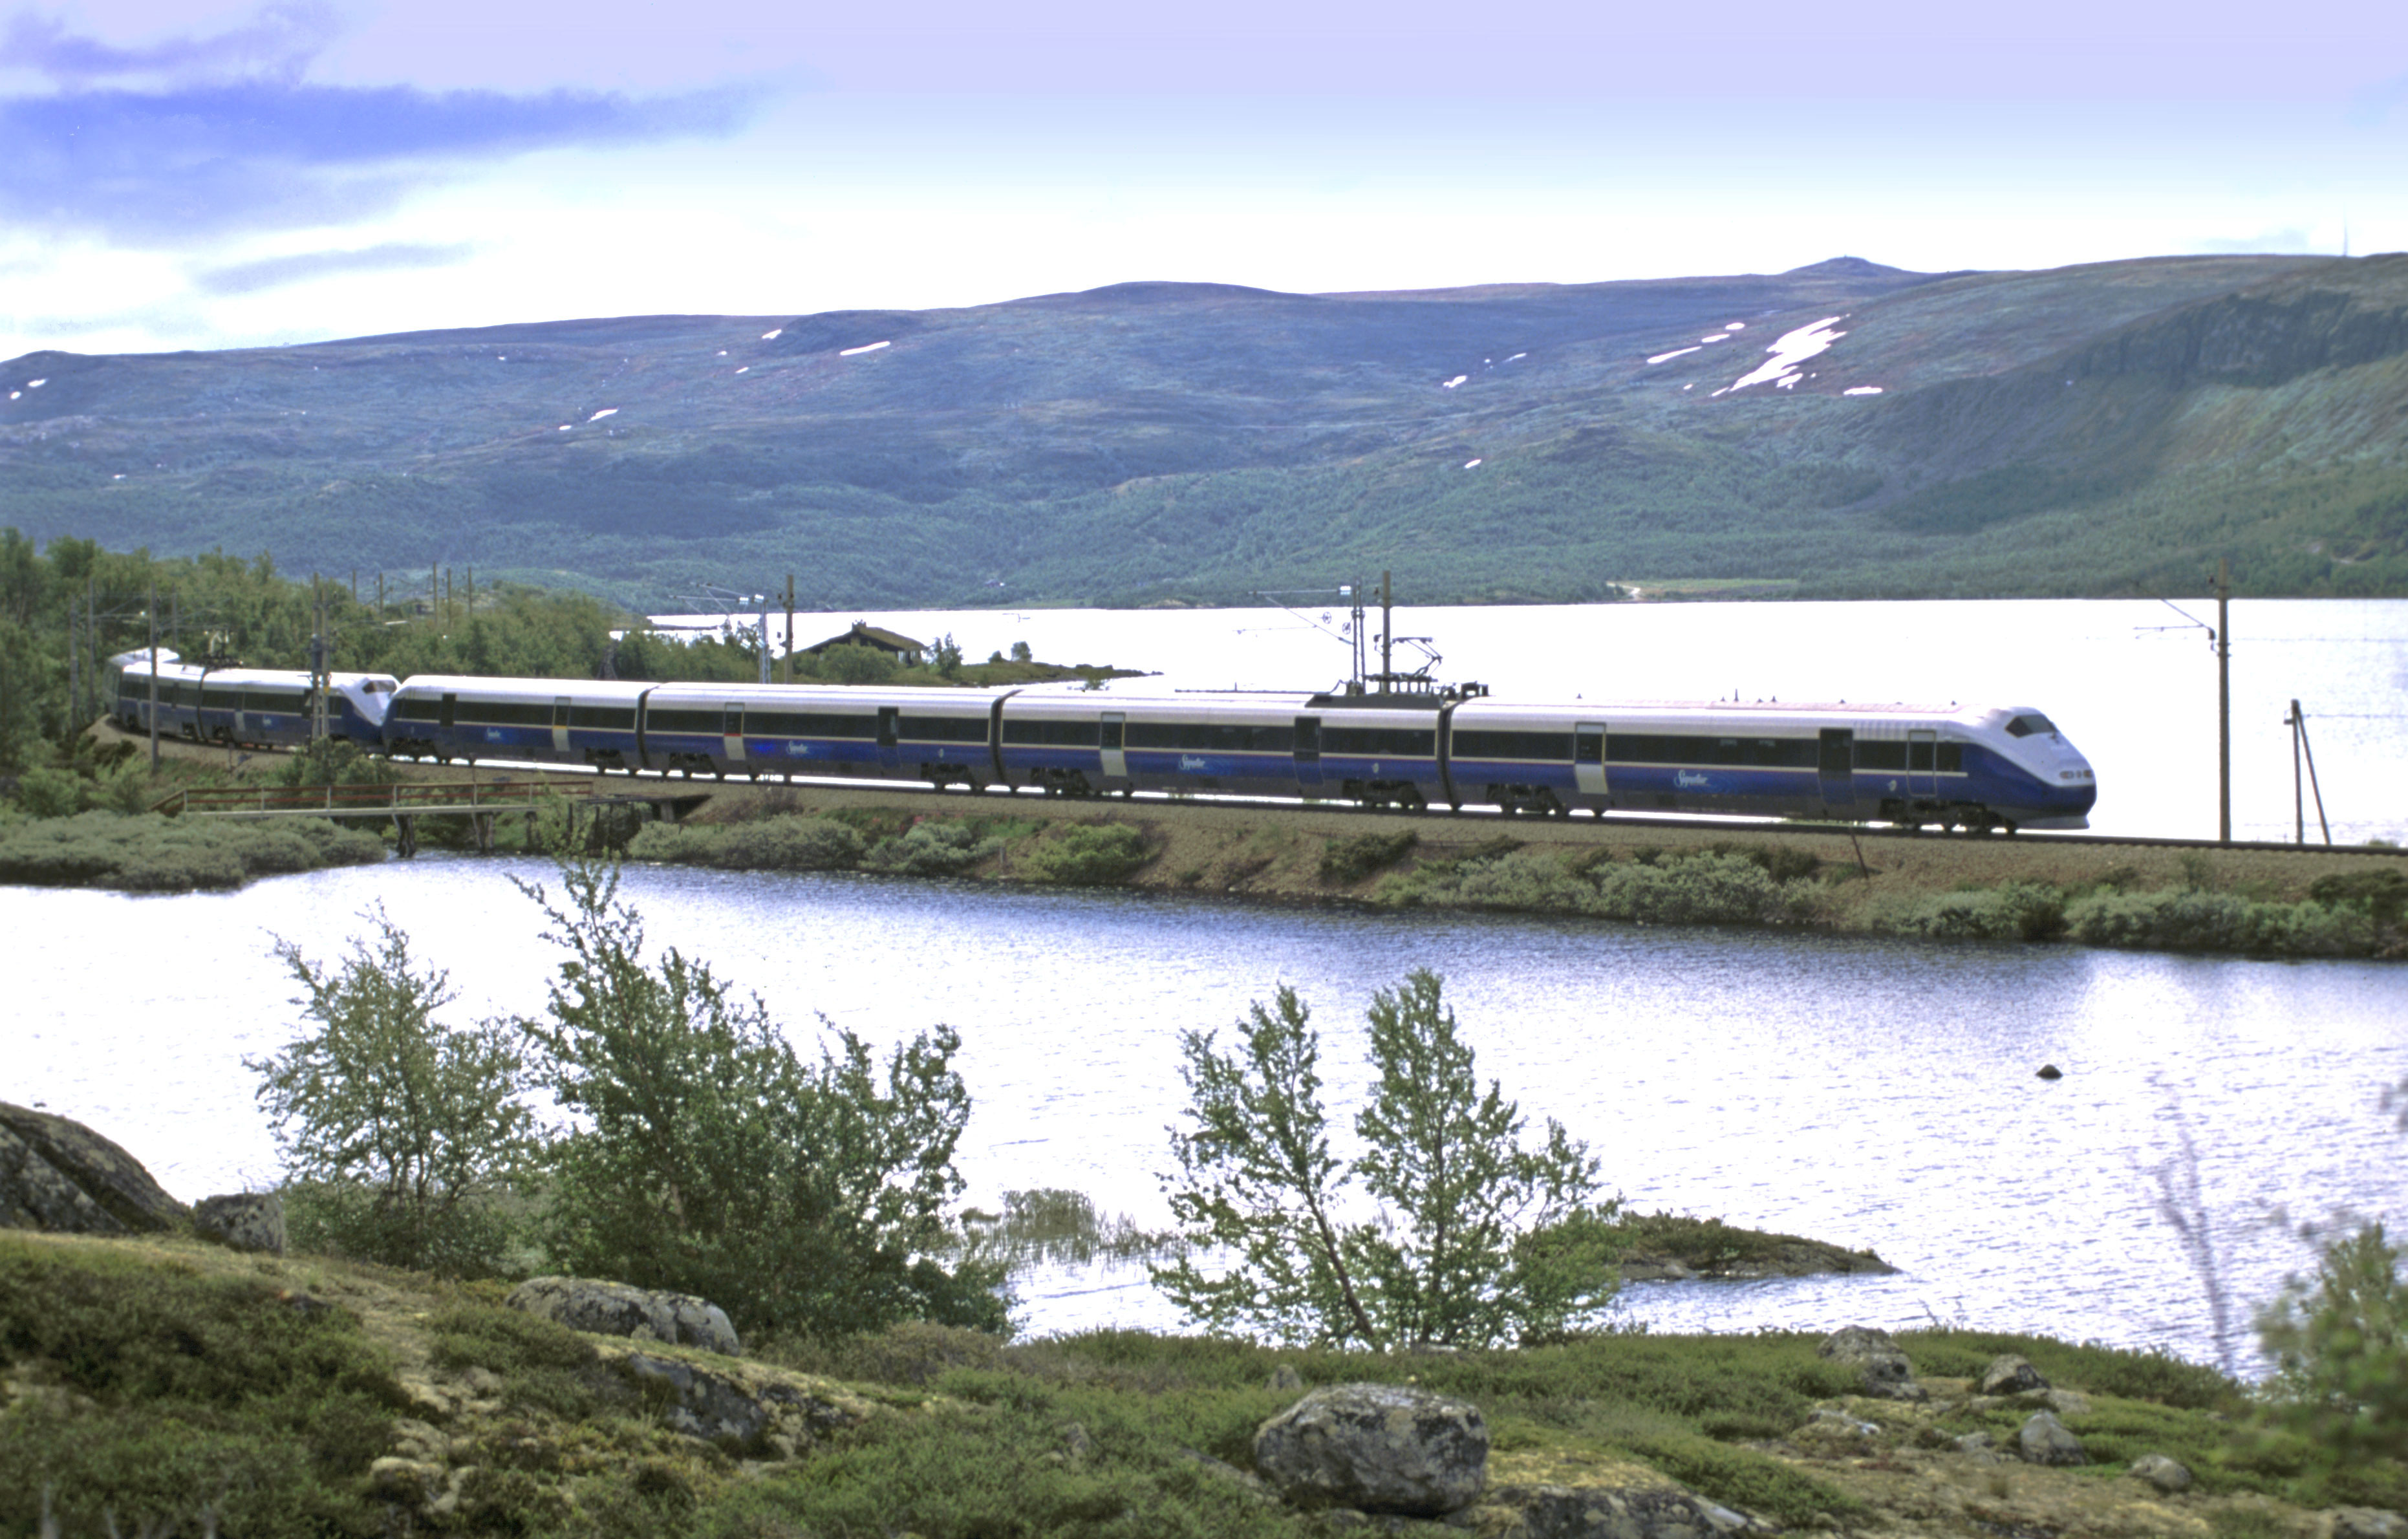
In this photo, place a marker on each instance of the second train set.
(1975, 767)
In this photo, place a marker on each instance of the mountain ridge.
(2057, 432)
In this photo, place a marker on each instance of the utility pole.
(1388, 636)
(2297, 722)
(318, 675)
(786, 658)
(2224, 700)
(154, 677)
(379, 598)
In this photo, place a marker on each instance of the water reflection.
(1860, 1091)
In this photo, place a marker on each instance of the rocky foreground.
(171, 1371)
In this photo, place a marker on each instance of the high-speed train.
(248, 706)
(1951, 765)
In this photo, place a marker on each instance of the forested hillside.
(2070, 432)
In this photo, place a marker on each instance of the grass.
(152, 854)
(152, 1379)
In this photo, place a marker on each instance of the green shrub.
(2383, 892)
(1091, 854)
(1699, 889)
(152, 854)
(185, 1393)
(2341, 1351)
(48, 791)
(782, 843)
(2194, 919)
(931, 849)
(1347, 861)
(2018, 911)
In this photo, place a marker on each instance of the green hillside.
(2069, 432)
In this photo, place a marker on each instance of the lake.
(1868, 1092)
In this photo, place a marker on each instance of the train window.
(221, 699)
(1881, 755)
(793, 723)
(1543, 746)
(887, 716)
(1952, 758)
(1588, 748)
(2030, 724)
(414, 708)
(1919, 756)
(1053, 734)
(270, 700)
(702, 722)
(1108, 734)
(1383, 741)
(943, 729)
(501, 712)
(621, 717)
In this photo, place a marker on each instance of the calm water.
(2138, 698)
(1864, 1092)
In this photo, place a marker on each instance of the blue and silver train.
(246, 707)
(1973, 766)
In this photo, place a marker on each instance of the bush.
(49, 791)
(2017, 911)
(1480, 1240)
(1347, 861)
(1092, 854)
(857, 664)
(782, 843)
(210, 1405)
(931, 849)
(2194, 919)
(152, 854)
(2341, 1352)
(402, 1131)
(710, 1159)
(1699, 889)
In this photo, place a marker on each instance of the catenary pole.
(154, 679)
(2224, 700)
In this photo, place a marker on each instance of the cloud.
(221, 135)
(281, 43)
(275, 272)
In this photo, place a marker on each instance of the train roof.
(1775, 709)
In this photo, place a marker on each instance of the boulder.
(2045, 1440)
(2367, 1523)
(58, 1174)
(243, 1221)
(728, 1412)
(2163, 1473)
(1557, 1512)
(615, 1309)
(1880, 1361)
(2009, 1374)
(1376, 1447)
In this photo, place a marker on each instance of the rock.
(58, 1174)
(2160, 1472)
(2045, 1441)
(1887, 1373)
(1829, 1426)
(614, 1309)
(1224, 1471)
(2367, 1523)
(2067, 1402)
(2049, 1070)
(1380, 1447)
(1555, 1512)
(724, 1410)
(244, 1221)
(1285, 1377)
(2009, 1374)
(1981, 1445)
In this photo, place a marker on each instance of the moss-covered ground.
(164, 1382)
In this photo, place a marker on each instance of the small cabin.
(863, 634)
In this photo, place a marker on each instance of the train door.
(1922, 765)
(890, 738)
(449, 713)
(731, 732)
(1588, 758)
(1835, 764)
(1308, 753)
(1111, 738)
(560, 724)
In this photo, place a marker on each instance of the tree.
(1477, 1241)
(2341, 1352)
(713, 1159)
(404, 1132)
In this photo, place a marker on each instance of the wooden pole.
(787, 659)
(154, 679)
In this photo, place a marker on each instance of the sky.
(180, 174)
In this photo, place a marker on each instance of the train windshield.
(2029, 723)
